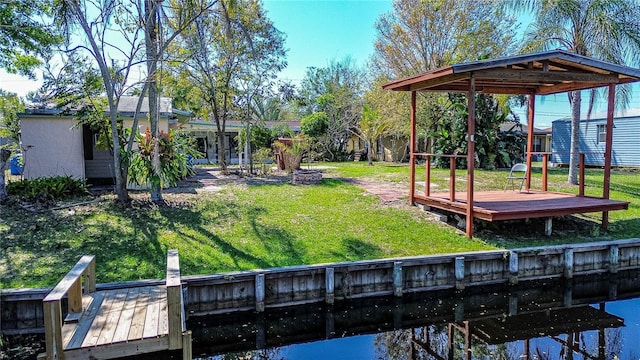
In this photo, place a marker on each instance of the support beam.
(607, 152)
(412, 149)
(530, 121)
(471, 152)
(548, 226)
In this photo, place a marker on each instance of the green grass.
(239, 228)
(264, 226)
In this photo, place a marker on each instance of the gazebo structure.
(534, 74)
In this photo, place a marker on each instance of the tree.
(336, 91)
(130, 21)
(371, 128)
(228, 57)
(10, 106)
(423, 35)
(393, 110)
(603, 29)
(22, 38)
(96, 20)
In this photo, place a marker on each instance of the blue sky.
(320, 31)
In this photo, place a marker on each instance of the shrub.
(46, 190)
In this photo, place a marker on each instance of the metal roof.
(540, 73)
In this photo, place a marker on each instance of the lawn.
(245, 227)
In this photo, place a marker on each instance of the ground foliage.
(264, 222)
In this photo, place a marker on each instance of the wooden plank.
(139, 314)
(126, 317)
(119, 350)
(83, 326)
(171, 312)
(163, 324)
(68, 280)
(111, 320)
(53, 328)
(173, 268)
(152, 319)
(98, 321)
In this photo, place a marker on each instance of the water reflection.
(546, 320)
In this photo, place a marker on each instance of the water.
(586, 318)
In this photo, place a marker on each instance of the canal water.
(586, 318)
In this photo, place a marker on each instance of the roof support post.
(471, 151)
(412, 150)
(530, 121)
(607, 152)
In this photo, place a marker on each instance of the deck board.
(139, 314)
(124, 323)
(153, 316)
(114, 316)
(510, 205)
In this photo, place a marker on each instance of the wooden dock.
(512, 205)
(114, 323)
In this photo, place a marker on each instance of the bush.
(47, 190)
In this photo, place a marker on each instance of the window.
(602, 134)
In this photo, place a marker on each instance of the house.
(541, 137)
(54, 145)
(593, 135)
(206, 136)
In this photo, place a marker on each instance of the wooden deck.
(511, 205)
(135, 318)
(114, 323)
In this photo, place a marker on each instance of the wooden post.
(608, 148)
(452, 179)
(568, 263)
(397, 278)
(329, 282)
(459, 272)
(74, 297)
(412, 149)
(259, 292)
(427, 176)
(545, 171)
(53, 330)
(614, 258)
(187, 352)
(471, 152)
(513, 267)
(548, 226)
(174, 300)
(530, 121)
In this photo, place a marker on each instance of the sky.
(318, 32)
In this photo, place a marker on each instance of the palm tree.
(608, 30)
(372, 126)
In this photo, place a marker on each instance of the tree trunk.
(370, 152)
(222, 158)
(151, 43)
(574, 160)
(5, 154)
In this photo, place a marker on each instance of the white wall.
(52, 147)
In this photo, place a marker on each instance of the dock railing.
(70, 285)
(179, 336)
